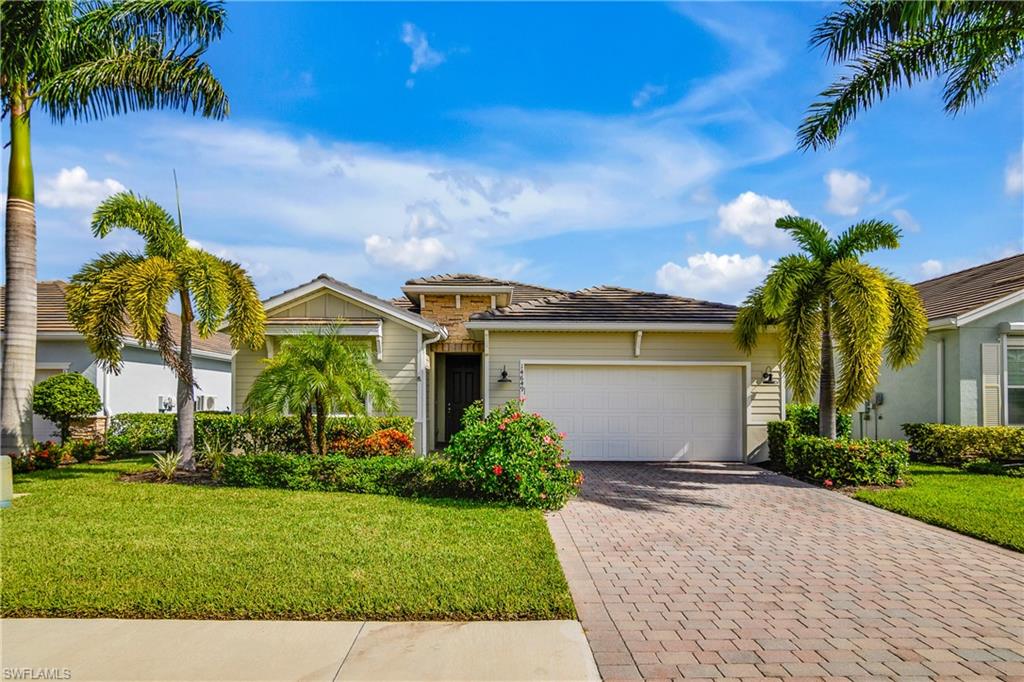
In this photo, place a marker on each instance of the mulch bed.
(199, 477)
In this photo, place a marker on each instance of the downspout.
(421, 387)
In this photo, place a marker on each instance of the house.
(144, 383)
(628, 375)
(971, 370)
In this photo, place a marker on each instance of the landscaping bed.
(81, 543)
(986, 506)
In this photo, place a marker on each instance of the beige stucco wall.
(399, 346)
(507, 349)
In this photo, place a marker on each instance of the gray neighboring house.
(971, 370)
(144, 384)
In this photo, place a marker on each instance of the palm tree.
(891, 43)
(315, 375)
(826, 300)
(122, 289)
(82, 60)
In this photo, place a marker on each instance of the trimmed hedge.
(843, 462)
(146, 431)
(779, 435)
(805, 417)
(399, 476)
(952, 444)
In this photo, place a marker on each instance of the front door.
(461, 389)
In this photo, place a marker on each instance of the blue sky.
(645, 145)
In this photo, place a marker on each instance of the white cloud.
(847, 191)
(931, 268)
(1014, 182)
(413, 253)
(751, 217)
(905, 219)
(424, 57)
(645, 94)
(708, 274)
(73, 188)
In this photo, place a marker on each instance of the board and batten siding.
(507, 349)
(398, 348)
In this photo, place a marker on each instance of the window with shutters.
(1015, 385)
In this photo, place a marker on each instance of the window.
(1015, 385)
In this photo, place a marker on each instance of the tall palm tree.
(122, 289)
(890, 43)
(315, 375)
(826, 300)
(82, 60)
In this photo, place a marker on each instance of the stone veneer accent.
(441, 308)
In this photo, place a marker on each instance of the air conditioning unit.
(164, 403)
(206, 403)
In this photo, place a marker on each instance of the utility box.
(6, 481)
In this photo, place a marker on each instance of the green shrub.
(779, 434)
(84, 450)
(246, 432)
(847, 462)
(121, 445)
(65, 397)
(514, 456)
(805, 417)
(952, 444)
(981, 465)
(400, 476)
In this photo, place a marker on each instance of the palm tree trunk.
(827, 385)
(19, 344)
(186, 396)
(321, 425)
(306, 420)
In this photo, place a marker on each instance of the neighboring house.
(144, 383)
(628, 375)
(971, 369)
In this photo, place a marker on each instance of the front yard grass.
(981, 505)
(83, 544)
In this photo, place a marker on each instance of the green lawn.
(984, 506)
(83, 544)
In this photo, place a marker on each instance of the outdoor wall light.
(504, 376)
(767, 377)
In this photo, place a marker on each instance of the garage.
(642, 412)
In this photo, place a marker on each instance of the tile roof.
(521, 293)
(612, 304)
(52, 317)
(403, 309)
(964, 291)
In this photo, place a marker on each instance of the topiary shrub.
(779, 434)
(847, 462)
(514, 456)
(805, 417)
(952, 444)
(64, 398)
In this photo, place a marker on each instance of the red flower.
(501, 426)
(497, 469)
(828, 482)
(516, 415)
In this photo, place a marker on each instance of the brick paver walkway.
(732, 571)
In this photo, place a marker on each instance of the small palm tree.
(891, 43)
(826, 300)
(82, 60)
(121, 292)
(315, 375)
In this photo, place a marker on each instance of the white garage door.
(642, 413)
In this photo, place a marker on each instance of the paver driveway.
(732, 571)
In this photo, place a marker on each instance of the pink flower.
(548, 440)
(516, 416)
(828, 482)
(562, 435)
(501, 426)
(497, 469)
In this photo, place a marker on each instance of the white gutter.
(421, 382)
(528, 326)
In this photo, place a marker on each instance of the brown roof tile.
(52, 317)
(612, 304)
(964, 291)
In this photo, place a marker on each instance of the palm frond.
(983, 54)
(32, 42)
(809, 234)
(203, 277)
(861, 317)
(859, 24)
(789, 275)
(128, 211)
(152, 283)
(133, 80)
(184, 23)
(909, 325)
(800, 328)
(750, 321)
(867, 236)
(246, 315)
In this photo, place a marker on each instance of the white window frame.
(1007, 386)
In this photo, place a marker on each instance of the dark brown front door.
(461, 389)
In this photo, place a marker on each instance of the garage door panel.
(643, 413)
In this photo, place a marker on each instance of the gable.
(326, 305)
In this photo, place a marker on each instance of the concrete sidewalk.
(109, 649)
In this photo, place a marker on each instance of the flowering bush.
(383, 443)
(514, 456)
(847, 462)
(45, 455)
